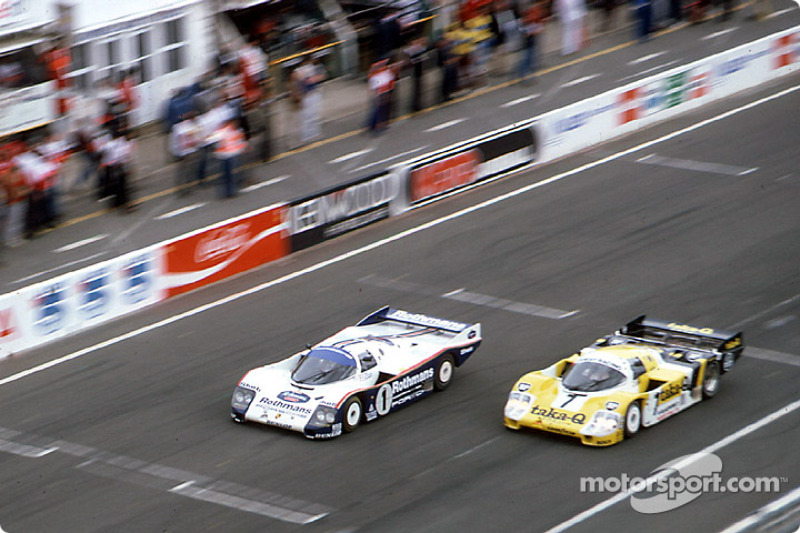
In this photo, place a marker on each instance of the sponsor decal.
(221, 242)
(412, 381)
(785, 51)
(628, 102)
(524, 387)
(479, 161)
(690, 329)
(9, 329)
(285, 406)
(249, 386)
(229, 248)
(49, 309)
(137, 279)
(669, 391)
(337, 211)
(425, 320)
(294, 397)
(94, 294)
(561, 416)
(444, 175)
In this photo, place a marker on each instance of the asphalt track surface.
(126, 427)
(90, 234)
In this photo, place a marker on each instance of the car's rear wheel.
(444, 372)
(352, 412)
(633, 419)
(711, 379)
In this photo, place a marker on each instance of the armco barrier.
(79, 300)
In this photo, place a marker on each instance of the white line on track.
(766, 513)
(445, 125)
(460, 295)
(697, 166)
(267, 183)
(782, 11)
(78, 244)
(648, 71)
(584, 79)
(60, 267)
(351, 155)
(522, 100)
(719, 33)
(653, 479)
(382, 161)
(180, 211)
(648, 57)
(769, 355)
(393, 238)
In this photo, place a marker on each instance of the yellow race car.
(645, 372)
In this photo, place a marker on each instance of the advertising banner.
(322, 216)
(664, 96)
(223, 250)
(49, 310)
(471, 162)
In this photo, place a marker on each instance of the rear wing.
(387, 314)
(683, 335)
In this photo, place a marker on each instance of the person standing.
(230, 143)
(381, 81)
(416, 54)
(184, 141)
(532, 25)
(310, 75)
(571, 13)
(118, 156)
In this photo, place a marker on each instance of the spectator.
(118, 157)
(416, 55)
(126, 98)
(230, 144)
(210, 122)
(38, 174)
(506, 27)
(532, 26)
(381, 80)
(448, 66)
(571, 13)
(83, 146)
(310, 74)
(184, 142)
(480, 33)
(644, 19)
(16, 198)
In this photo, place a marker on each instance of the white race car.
(389, 359)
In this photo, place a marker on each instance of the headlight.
(603, 423)
(242, 398)
(518, 405)
(324, 415)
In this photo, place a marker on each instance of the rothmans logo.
(412, 381)
(293, 397)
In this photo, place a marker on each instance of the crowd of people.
(213, 121)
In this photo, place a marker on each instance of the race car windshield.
(324, 365)
(591, 377)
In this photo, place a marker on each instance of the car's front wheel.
(352, 412)
(444, 372)
(633, 419)
(711, 379)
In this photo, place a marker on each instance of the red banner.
(224, 250)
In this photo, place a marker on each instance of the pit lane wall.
(76, 301)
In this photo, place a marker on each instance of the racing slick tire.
(444, 372)
(711, 380)
(633, 419)
(351, 414)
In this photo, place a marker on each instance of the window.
(174, 48)
(144, 53)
